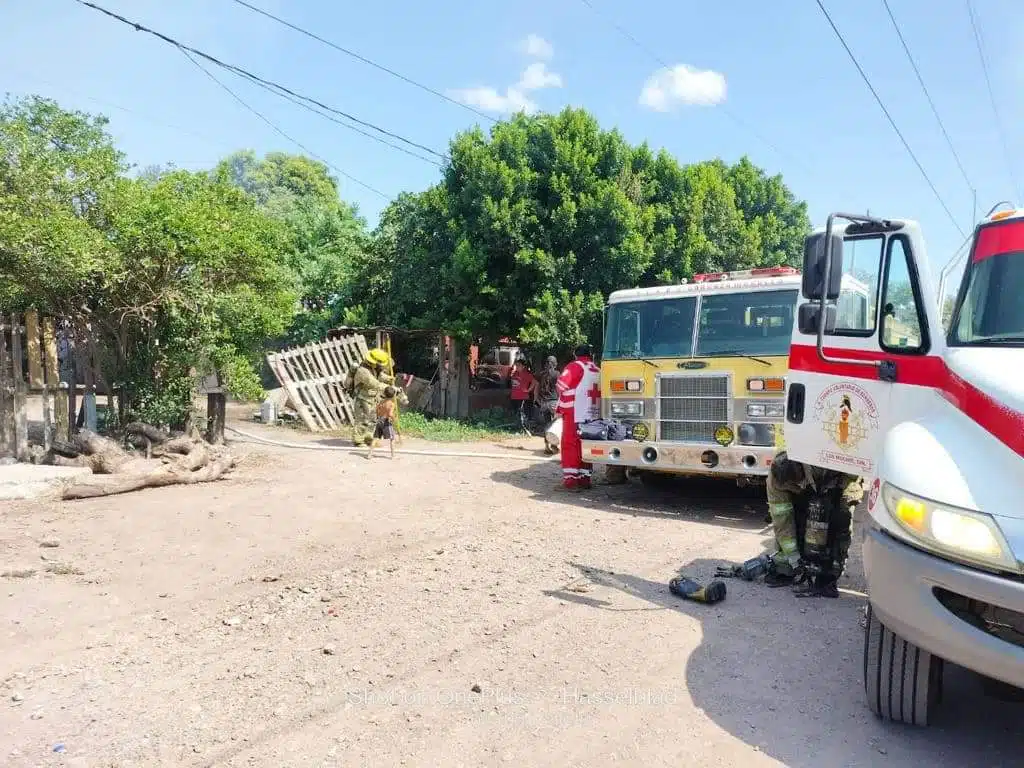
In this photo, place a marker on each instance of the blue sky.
(786, 80)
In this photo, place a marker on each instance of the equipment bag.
(602, 429)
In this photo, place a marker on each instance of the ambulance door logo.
(848, 416)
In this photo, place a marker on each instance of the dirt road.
(319, 609)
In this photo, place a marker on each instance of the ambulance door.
(852, 348)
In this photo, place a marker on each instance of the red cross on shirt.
(594, 393)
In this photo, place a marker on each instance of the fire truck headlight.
(766, 410)
(627, 408)
(959, 534)
(756, 434)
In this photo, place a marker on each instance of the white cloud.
(536, 47)
(535, 77)
(669, 88)
(489, 100)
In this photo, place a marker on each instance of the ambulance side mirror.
(816, 284)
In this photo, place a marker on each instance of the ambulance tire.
(903, 683)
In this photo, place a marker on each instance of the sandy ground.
(319, 609)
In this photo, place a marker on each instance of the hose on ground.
(408, 452)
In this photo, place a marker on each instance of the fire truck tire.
(615, 475)
(903, 683)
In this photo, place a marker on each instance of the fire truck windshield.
(743, 324)
(990, 310)
(731, 325)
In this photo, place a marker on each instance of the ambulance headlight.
(622, 408)
(959, 534)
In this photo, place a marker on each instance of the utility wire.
(661, 62)
(888, 116)
(256, 78)
(924, 88)
(992, 96)
(363, 59)
(267, 120)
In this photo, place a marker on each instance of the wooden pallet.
(313, 376)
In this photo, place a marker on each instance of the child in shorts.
(385, 429)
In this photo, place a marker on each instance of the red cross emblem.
(594, 393)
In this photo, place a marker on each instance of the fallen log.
(166, 474)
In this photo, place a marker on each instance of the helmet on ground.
(378, 357)
(584, 350)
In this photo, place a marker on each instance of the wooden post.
(89, 398)
(7, 442)
(20, 417)
(216, 412)
(35, 358)
(60, 404)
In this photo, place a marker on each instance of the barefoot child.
(385, 429)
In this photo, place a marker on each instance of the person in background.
(579, 401)
(366, 384)
(546, 393)
(523, 387)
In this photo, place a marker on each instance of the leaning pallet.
(313, 376)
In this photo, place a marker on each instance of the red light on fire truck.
(712, 277)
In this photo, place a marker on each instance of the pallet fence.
(313, 376)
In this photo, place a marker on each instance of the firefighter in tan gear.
(367, 383)
(791, 484)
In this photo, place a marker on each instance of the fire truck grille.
(693, 407)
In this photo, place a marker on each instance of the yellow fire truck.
(698, 372)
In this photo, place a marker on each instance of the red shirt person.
(523, 382)
(579, 401)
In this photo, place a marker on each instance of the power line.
(992, 96)
(888, 116)
(363, 59)
(267, 120)
(256, 78)
(661, 62)
(920, 80)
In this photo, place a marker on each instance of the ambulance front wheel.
(903, 683)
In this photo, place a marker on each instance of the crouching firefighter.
(811, 510)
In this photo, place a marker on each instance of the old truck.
(698, 372)
(934, 422)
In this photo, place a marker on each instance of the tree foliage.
(169, 273)
(326, 239)
(534, 224)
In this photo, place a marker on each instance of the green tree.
(169, 274)
(326, 237)
(537, 221)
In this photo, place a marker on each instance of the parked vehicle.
(934, 420)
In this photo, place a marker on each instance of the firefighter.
(367, 385)
(791, 484)
(579, 401)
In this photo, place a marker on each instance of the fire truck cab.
(934, 422)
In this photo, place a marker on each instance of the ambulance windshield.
(990, 311)
(735, 324)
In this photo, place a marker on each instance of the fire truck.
(934, 422)
(697, 371)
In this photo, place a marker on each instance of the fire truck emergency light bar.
(713, 277)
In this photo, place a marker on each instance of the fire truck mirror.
(807, 318)
(815, 282)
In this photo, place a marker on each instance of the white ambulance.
(934, 421)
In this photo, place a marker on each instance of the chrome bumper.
(686, 458)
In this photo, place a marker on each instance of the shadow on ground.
(711, 500)
(792, 688)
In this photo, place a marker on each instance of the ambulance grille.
(691, 408)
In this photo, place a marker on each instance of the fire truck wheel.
(903, 683)
(615, 475)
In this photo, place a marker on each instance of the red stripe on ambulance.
(998, 419)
